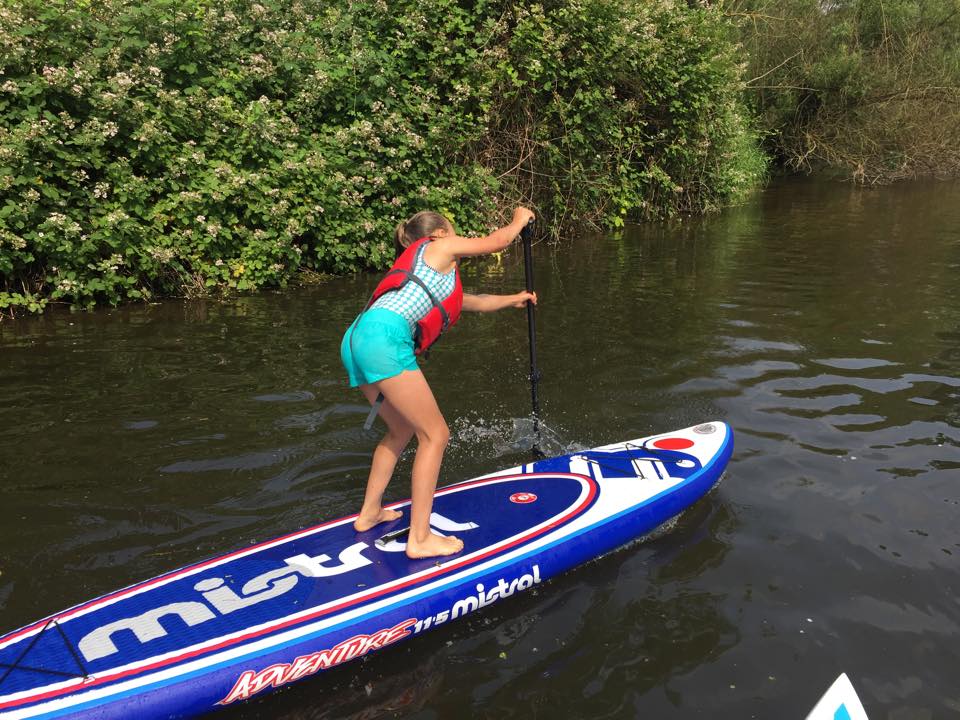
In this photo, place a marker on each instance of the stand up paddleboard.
(839, 702)
(227, 629)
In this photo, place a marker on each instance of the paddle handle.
(527, 235)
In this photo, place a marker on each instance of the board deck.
(232, 627)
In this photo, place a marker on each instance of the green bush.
(868, 89)
(624, 110)
(188, 146)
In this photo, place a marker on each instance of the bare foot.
(433, 546)
(364, 522)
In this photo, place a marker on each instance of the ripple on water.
(289, 397)
(747, 345)
(235, 463)
(313, 421)
(140, 424)
(854, 363)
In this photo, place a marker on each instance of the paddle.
(526, 235)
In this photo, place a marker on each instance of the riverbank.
(206, 148)
(153, 149)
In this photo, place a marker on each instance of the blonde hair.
(421, 225)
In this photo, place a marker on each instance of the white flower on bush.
(14, 241)
(161, 254)
(114, 217)
(122, 81)
(10, 87)
(55, 75)
(111, 264)
(101, 190)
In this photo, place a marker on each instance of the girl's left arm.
(492, 303)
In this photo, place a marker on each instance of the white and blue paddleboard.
(234, 627)
(839, 702)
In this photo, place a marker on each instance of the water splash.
(498, 437)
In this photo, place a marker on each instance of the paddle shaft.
(526, 235)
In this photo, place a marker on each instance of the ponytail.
(398, 238)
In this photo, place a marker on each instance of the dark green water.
(822, 322)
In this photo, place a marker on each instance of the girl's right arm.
(452, 247)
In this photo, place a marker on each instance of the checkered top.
(410, 301)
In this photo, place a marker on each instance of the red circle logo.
(523, 498)
(673, 443)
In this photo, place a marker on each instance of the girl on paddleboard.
(416, 301)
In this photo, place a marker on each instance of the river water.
(821, 321)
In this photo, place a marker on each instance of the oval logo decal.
(523, 498)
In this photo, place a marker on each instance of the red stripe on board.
(99, 680)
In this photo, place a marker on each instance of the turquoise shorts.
(377, 346)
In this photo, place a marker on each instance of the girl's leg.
(385, 457)
(411, 398)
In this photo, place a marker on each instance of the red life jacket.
(441, 316)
